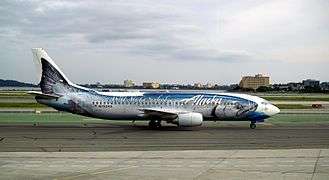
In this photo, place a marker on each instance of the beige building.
(128, 83)
(198, 85)
(209, 85)
(254, 82)
(151, 85)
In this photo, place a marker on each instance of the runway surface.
(211, 136)
(308, 164)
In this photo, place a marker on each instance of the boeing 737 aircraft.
(183, 109)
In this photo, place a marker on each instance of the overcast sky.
(183, 41)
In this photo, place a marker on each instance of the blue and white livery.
(182, 109)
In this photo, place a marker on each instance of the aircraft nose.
(272, 110)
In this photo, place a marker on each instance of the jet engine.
(189, 119)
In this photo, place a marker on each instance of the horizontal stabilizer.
(40, 94)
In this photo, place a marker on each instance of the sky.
(183, 41)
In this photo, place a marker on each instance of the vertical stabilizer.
(51, 79)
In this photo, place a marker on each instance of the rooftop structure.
(128, 83)
(311, 83)
(254, 82)
(151, 85)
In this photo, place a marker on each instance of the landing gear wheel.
(152, 124)
(252, 125)
(155, 124)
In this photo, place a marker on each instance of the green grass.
(299, 118)
(21, 105)
(296, 98)
(293, 106)
(14, 94)
(16, 97)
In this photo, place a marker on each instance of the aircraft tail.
(51, 79)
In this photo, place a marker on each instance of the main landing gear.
(155, 124)
(252, 125)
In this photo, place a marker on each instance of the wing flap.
(161, 113)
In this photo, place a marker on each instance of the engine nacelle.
(189, 119)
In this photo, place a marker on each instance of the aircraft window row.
(170, 103)
(103, 104)
(176, 103)
(266, 102)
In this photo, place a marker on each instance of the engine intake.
(189, 119)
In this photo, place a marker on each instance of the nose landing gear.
(155, 124)
(252, 125)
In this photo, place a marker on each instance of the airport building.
(311, 83)
(254, 82)
(324, 86)
(128, 83)
(209, 86)
(295, 86)
(198, 85)
(151, 85)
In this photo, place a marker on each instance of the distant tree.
(309, 89)
(264, 89)
(13, 83)
(239, 89)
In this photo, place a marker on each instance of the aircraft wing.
(40, 94)
(161, 113)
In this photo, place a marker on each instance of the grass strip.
(21, 105)
(296, 98)
(299, 118)
(293, 106)
(14, 94)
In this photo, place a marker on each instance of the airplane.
(184, 109)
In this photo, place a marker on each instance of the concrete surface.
(131, 138)
(28, 110)
(209, 164)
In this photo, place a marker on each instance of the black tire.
(252, 125)
(158, 124)
(152, 124)
(155, 124)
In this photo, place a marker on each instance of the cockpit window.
(266, 103)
